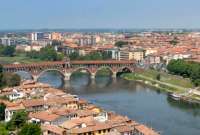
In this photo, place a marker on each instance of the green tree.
(195, 76)
(185, 69)
(11, 80)
(74, 56)
(174, 42)
(121, 43)
(106, 55)
(1, 69)
(1, 50)
(1, 76)
(2, 111)
(48, 53)
(15, 80)
(9, 51)
(30, 129)
(33, 54)
(60, 56)
(95, 56)
(3, 130)
(18, 120)
(158, 77)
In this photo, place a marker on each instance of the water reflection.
(24, 75)
(190, 108)
(55, 79)
(83, 79)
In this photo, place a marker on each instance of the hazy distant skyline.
(36, 14)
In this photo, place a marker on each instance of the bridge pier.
(92, 76)
(67, 76)
(114, 75)
(67, 84)
(35, 78)
(93, 82)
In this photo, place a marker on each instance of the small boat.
(175, 96)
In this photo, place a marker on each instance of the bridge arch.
(48, 70)
(24, 75)
(88, 70)
(104, 67)
(124, 69)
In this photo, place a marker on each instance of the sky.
(36, 14)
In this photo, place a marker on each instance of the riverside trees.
(91, 56)
(8, 79)
(47, 53)
(185, 69)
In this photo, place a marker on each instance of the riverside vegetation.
(160, 80)
(183, 76)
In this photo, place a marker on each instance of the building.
(10, 110)
(37, 36)
(88, 40)
(131, 54)
(56, 36)
(7, 41)
(23, 48)
(16, 94)
(68, 49)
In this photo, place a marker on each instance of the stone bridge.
(66, 68)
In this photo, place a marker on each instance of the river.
(137, 101)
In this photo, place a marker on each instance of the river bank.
(19, 58)
(166, 83)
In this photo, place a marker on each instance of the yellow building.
(131, 54)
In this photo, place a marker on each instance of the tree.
(30, 129)
(106, 55)
(158, 77)
(48, 53)
(95, 56)
(185, 69)
(3, 130)
(121, 43)
(11, 80)
(174, 42)
(33, 54)
(18, 120)
(15, 80)
(2, 111)
(9, 51)
(1, 49)
(195, 76)
(74, 56)
(1, 76)
(60, 56)
(1, 69)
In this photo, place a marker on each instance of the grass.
(168, 78)
(167, 82)
(21, 58)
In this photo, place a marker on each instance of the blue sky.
(25, 14)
